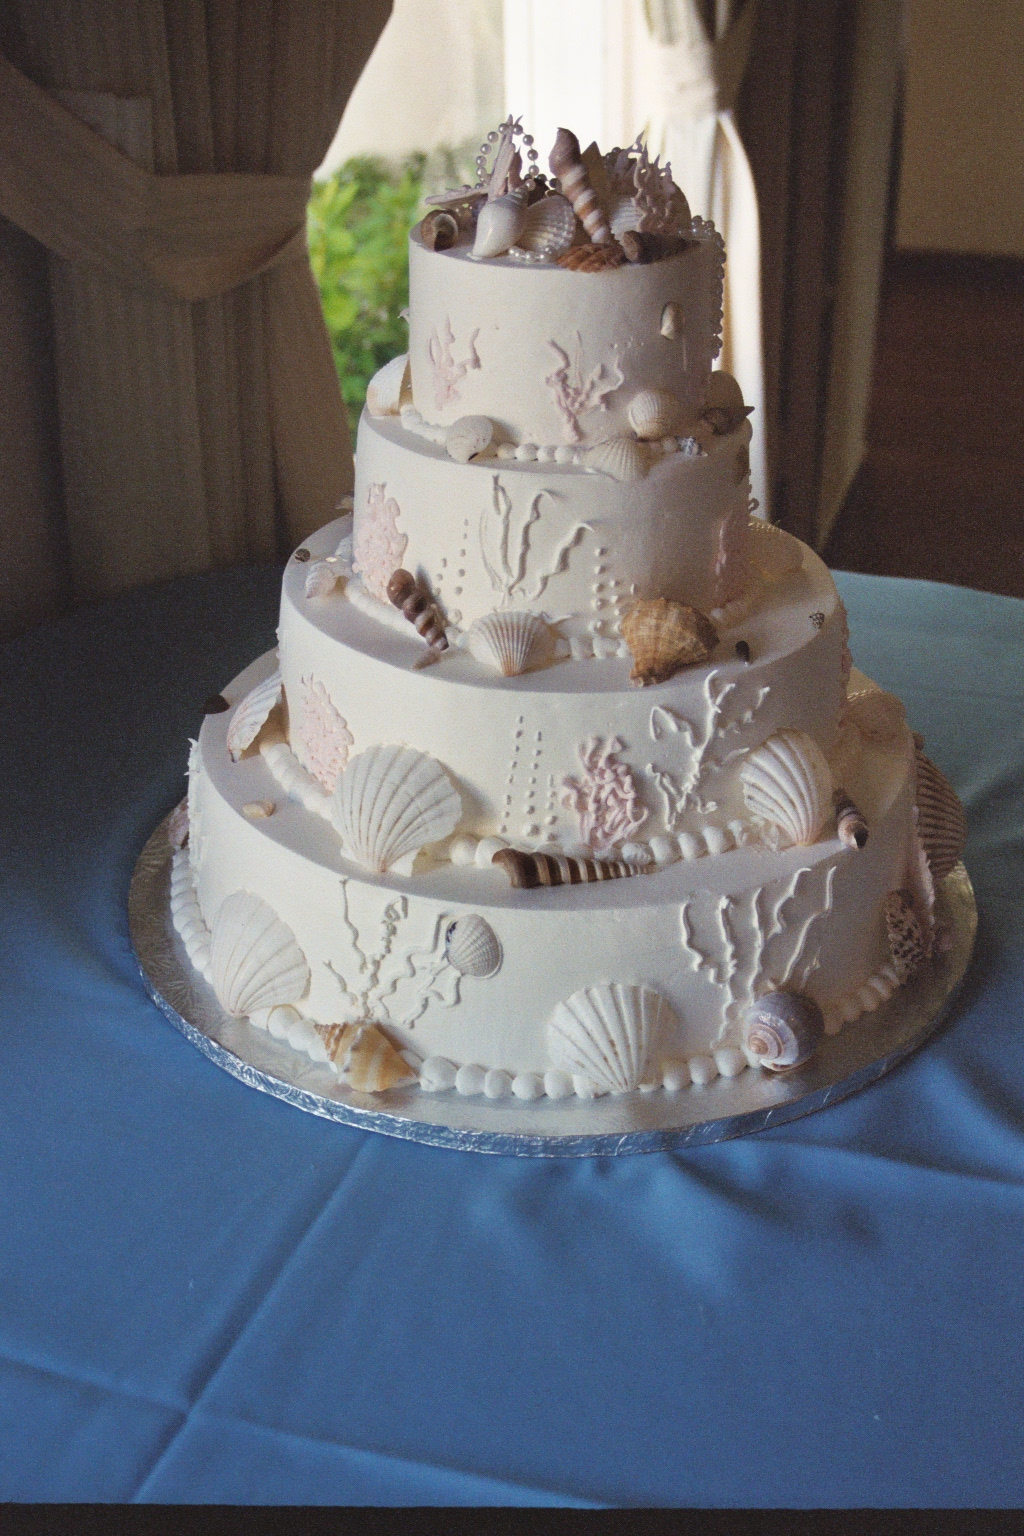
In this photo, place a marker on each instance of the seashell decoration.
(251, 715)
(472, 947)
(653, 414)
(418, 607)
(531, 871)
(773, 552)
(665, 636)
(642, 246)
(672, 320)
(259, 810)
(254, 959)
(499, 224)
(851, 827)
(364, 1055)
(723, 404)
(439, 231)
(566, 163)
(177, 826)
(592, 258)
(322, 577)
(390, 802)
(623, 458)
(907, 942)
(468, 436)
(787, 784)
(624, 214)
(549, 227)
(941, 823)
(511, 640)
(783, 1030)
(384, 391)
(878, 716)
(607, 1033)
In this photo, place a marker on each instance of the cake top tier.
(564, 309)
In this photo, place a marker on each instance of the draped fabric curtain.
(688, 99)
(169, 401)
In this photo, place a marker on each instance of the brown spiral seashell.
(592, 258)
(851, 827)
(439, 231)
(528, 871)
(566, 162)
(643, 247)
(418, 607)
(364, 1054)
(664, 637)
(941, 824)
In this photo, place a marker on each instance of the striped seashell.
(418, 607)
(653, 414)
(787, 784)
(782, 1030)
(665, 636)
(390, 802)
(566, 163)
(623, 458)
(511, 640)
(851, 827)
(254, 959)
(384, 391)
(531, 871)
(251, 715)
(607, 1033)
(625, 214)
(941, 823)
(472, 947)
(467, 437)
(907, 942)
(439, 231)
(879, 716)
(364, 1055)
(549, 228)
(499, 224)
(593, 258)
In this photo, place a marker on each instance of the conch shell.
(499, 224)
(364, 1055)
(566, 163)
(665, 636)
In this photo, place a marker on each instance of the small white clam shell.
(251, 715)
(469, 436)
(549, 227)
(499, 224)
(788, 784)
(472, 946)
(321, 578)
(622, 458)
(512, 640)
(653, 414)
(254, 959)
(390, 802)
(384, 391)
(782, 1029)
(606, 1033)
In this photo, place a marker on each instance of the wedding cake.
(560, 782)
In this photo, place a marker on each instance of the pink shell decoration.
(941, 824)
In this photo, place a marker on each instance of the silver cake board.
(602, 1127)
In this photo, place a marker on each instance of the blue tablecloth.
(207, 1295)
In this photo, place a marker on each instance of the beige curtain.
(697, 65)
(161, 326)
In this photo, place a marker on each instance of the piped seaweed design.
(710, 749)
(369, 987)
(196, 840)
(517, 578)
(750, 946)
(447, 374)
(575, 395)
(605, 796)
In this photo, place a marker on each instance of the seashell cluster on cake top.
(560, 782)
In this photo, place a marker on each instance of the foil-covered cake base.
(608, 1126)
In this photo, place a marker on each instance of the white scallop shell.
(877, 715)
(468, 436)
(606, 1033)
(653, 413)
(787, 783)
(773, 552)
(384, 391)
(499, 224)
(251, 715)
(472, 946)
(621, 457)
(254, 959)
(392, 801)
(624, 213)
(511, 640)
(549, 227)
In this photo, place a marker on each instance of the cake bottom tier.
(639, 982)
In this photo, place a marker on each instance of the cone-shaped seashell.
(654, 413)
(878, 716)
(664, 637)
(787, 783)
(511, 640)
(672, 320)
(322, 578)
(468, 436)
(783, 1029)
(472, 946)
(439, 231)
(851, 827)
(607, 1033)
(625, 214)
(907, 942)
(254, 959)
(622, 458)
(365, 1056)
(642, 247)
(532, 871)
(384, 391)
(418, 607)
(774, 553)
(941, 824)
(392, 801)
(251, 715)
(566, 163)
(499, 224)
(549, 228)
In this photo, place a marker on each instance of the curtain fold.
(690, 123)
(161, 151)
